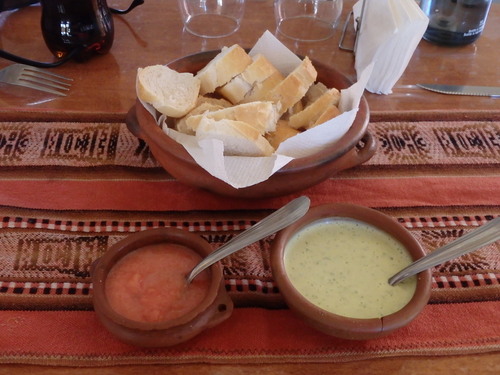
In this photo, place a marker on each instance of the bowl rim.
(343, 145)
(338, 323)
(136, 241)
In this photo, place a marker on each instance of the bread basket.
(354, 148)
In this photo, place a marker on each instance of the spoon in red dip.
(273, 223)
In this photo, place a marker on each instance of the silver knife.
(463, 90)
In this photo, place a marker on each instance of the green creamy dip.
(343, 266)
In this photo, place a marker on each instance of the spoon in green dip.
(482, 236)
(273, 223)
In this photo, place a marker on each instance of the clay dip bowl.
(332, 268)
(297, 175)
(136, 277)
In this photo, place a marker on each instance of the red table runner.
(70, 190)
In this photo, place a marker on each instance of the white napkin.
(243, 171)
(389, 34)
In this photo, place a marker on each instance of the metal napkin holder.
(357, 29)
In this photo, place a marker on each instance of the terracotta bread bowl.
(299, 174)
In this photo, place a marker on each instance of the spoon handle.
(482, 236)
(278, 220)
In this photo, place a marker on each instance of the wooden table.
(103, 90)
(104, 86)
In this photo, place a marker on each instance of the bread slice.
(239, 138)
(293, 87)
(296, 108)
(203, 104)
(329, 113)
(221, 102)
(230, 62)
(258, 71)
(182, 125)
(311, 113)
(314, 92)
(260, 90)
(283, 132)
(235, 90)
(260, 115)
(169, 92)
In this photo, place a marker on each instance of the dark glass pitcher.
(68, 25)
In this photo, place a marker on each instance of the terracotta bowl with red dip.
(141, 294)
(332, 268)
(297, 175)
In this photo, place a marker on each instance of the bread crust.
(310, 114)
(331, 112)
(260, 90)
(230, 62)
(260, 115)
(258, 71)
(204, 107)
(239, 138)
(289, 91)
(282, 133)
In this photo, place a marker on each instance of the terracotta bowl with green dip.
(332, 268)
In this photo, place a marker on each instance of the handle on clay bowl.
(221, 310)
(361, 153)
(133, 123)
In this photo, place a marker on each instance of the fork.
(35, 78)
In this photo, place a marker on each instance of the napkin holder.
(357, 29)
(393, 30)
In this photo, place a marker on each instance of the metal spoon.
(484, 235)
(278, 220)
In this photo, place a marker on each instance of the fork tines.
(43, 80)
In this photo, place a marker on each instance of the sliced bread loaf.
(310, 114)
(169, 92)
(239, 138)
(260, 90)
(230, 62)
(283, 132)
(329, 113)
(204, 107)
(295, 85)
(260, 115)
(314, 92)
(258, 71)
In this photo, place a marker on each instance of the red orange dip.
(149, 284)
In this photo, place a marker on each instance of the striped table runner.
(70, 190)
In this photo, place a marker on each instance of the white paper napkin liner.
(228, 168)
(276, 52)
(317, 138)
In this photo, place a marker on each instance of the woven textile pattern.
(68, 191)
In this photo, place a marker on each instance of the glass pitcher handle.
(134, 4)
